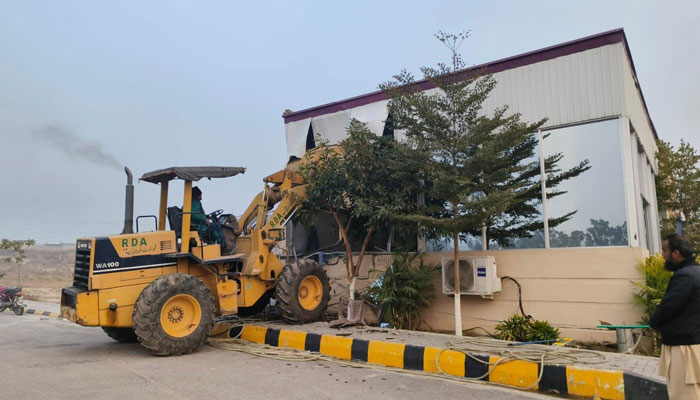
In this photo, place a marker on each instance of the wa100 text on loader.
(165, 288)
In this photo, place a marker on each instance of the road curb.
(566, 380)
(43, 313)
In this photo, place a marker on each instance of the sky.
(87, 87)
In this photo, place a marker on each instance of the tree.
(17, 247)
(523, 218)
(678, 186)
(600, 233)
(364, 184)
(475, 167)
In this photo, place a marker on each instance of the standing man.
(677, 318)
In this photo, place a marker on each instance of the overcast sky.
(86, 87)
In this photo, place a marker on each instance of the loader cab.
(178, 218)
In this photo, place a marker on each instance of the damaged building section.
(579, 273)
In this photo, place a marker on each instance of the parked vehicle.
(11, 297)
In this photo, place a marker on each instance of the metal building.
(588, 91)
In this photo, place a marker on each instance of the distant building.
(588, 90)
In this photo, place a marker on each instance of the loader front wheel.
(174, 314)
(302, 291)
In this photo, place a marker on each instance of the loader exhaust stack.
(129, 203)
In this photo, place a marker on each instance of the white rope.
(543, 355)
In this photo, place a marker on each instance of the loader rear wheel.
(302, 291)
(121, 335)
(174, 314)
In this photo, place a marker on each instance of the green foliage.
(364, 183)
(542, 330)
(678, 187)
(651, 290)
(405, 288)
(380, 176)
(478, 169)
(514, 329)
(326, 182)
(654, 286)
(520, 329)
(17, 248)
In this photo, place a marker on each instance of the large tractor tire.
(174, 314)
(121, 335)
(302, 291)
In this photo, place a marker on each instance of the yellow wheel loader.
(165, 288)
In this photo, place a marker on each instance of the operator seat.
(175, 220)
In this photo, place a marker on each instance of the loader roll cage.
(163, 177)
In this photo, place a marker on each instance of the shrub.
(542, 330)
(651, 289)
(514, 329)
(520, 329)
(404, 289)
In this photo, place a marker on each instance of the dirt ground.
(46, 269)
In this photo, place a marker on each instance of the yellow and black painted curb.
(567, 380)
(43, 313)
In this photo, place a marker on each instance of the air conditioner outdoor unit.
(477, 275)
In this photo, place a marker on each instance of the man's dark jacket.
(678, 315)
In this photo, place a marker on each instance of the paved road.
(49, 358)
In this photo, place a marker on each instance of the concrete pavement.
(45, 357)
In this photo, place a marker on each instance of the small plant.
(652, 290)
(520, 329)
(542, 330)
(404, 289)
(514, 329)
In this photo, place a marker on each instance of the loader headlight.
(84, 245)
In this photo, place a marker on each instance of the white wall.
(585, 86)
(569, 89)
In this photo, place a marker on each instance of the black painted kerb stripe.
(413, 357)
(313, 342)
(359, 349)
(272, 337)
(636, 387)
(476, 368)
(639, 387)
(553, 379)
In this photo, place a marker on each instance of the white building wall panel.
(296, 133)
(635, 110)
(569, 89)
(594, 84)
(589, 85)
